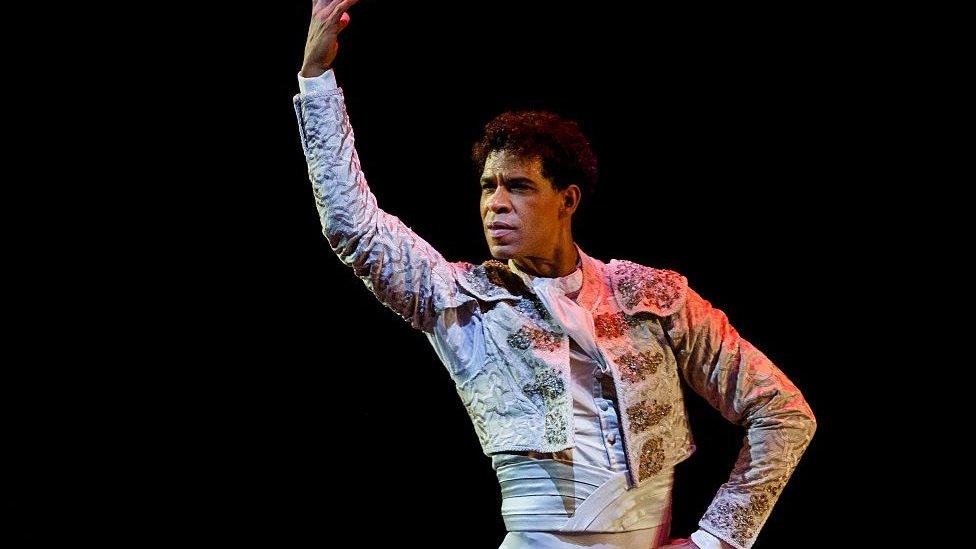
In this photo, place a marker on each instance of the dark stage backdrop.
(723, 147)
(292, 408)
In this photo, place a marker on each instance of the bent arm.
(749, 390)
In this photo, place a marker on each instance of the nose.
(498, 201)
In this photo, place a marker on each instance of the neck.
(561, 262)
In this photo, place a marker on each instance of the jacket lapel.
(491, 281)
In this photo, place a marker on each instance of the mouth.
(499, 225)
(498, 229)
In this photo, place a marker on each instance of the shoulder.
(640, 288)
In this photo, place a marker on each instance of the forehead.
(507, 165)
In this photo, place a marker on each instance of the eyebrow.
(508, 181)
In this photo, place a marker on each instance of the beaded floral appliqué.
(646, 414)
(639, 285)
(613, 325)
(493, 279)
(527, 337)
(533, 308)
(636, 367)
(555, 427)
(547, 383)
(499, 274)
(651, 458)
(549, 386)
(742, 521)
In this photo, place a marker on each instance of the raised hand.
(329, 17)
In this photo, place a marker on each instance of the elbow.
(802, 418)
(809, 427)
(804, 422)
(805, 415)
(792, 415)
(811, 422)
(802, 425)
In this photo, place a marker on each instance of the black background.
(270, 398)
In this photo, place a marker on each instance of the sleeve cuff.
(324, 82)
(707, 541)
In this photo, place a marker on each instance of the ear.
(571, 198)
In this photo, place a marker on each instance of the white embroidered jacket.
(510, 361)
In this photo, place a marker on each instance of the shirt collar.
(568, 284)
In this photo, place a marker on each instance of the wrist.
(312, 71)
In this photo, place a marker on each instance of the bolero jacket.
(509, 359)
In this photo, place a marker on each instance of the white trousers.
(649, 538)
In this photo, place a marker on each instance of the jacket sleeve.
(749, 390)
(404, 272)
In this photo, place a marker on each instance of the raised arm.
(400, 268)
(749, 390)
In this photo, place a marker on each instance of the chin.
(502, 251)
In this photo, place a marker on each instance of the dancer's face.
(515, 193)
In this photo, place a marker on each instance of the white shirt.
(595, 420)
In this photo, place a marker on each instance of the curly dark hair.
(559, 143)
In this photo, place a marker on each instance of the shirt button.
(611, 438)
(604, 405)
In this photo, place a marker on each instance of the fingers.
(332, 12)
(339, 8)
(320, 5)
(343, 22)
